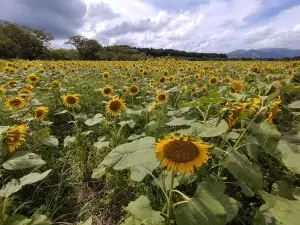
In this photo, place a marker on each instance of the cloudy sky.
(190, 25)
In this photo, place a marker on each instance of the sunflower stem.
(207, 112)
(170, 200)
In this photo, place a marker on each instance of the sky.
(191, 25)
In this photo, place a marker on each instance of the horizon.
(188, 25)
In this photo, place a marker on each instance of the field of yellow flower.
(154, 142)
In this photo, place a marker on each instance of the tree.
(87, 48)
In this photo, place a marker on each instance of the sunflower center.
(115, 106)
(107, 91)
(39, 113)
(162, 97)
(181, 151)
(71, 100)
(16, 102)
(106, 75)
(213, 80)
(133, 89)
(33, 78)
(162, 79)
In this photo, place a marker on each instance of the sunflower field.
(153, 142)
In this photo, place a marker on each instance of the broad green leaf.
(50, 141)
(179, 112)
(271, 97)
(99, 172)
(201, 101)
(3, 129)
(69, 140)
(209, 206)
(285, 211)
(187, 178)
(12, 187)
(294, 105)
(181, 121)
(243, 169)
(139, 172)
(23, 160)
(33, 177)
(89, 221)
(252, 146)
(245, 189)
(135, 136)
(195, 129)
(290, 155)
(215, 131)
(233, 135)
(131, 112)
(17, 220)
(296, 193)
(38, 219)
(131, 154)
(98, 118)
(283, 189)
(164, 180)
(130, 123)
(141, 210)
(101, 144)
(268, 137)
(265, 217)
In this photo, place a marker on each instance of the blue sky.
(191, 25)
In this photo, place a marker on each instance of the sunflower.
(197, 76)
(166, 73)
(145, 72)
(133, 90)
(14, 136)
(162, 79)
(213, 80)
(105, 75)
(40, 113)
(55, 84)
(134, 79)
(162, 98)
(107, 91)
(25, 93)
(274, 110)
(15, 103)
(2, 91)
(12, 84)
(181, 154)
(204, 90)
(235, 113)
(115, 106)
(32, 78)
(70, 100)
(171, 78)
(236, 86)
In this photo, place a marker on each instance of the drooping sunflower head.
(133, 90)
(15, 135)
(107, 91)
(274, 110)
(70, 100)
(213, 80)
(55, 84)
(236, 86)
(162, 79)
(12, 84)
(2, 91)
(162, 97)
(32, 78)
(40, 113)
(115, 106)
(105, 75)
(15, 103)
(181, 154)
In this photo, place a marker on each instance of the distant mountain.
(264, 53)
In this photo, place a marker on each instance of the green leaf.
(195, 129)
(101, 144)
(139, 172)
(285, 211)
(12, 187)
(69, 140)
(23, 160)
(245, 189)
(294, 105)
(3, 129)
(131, 112)
(179, 112)
(187, 178)
(99, 172)
(283, 189)
(130, 123)
(209, 206)
(131, 154)
(98, 118)
(50, 141)
(135, 136)
(265, 217)
(290, 155)
(164, 180)
(38, 219)
(141, 210)
(201, 101)
(268, 137)
(33, 177)
(17, 220)
(89, 221)
(271, 97)
(181, 121)
(243, 169)
(215, 131)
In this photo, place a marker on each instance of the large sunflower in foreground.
(14, 136)
(162, 98)
(107, 91)
(70, 100)
(181, 154)
(15, 103)
(115, 106)
(40, 113)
